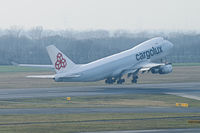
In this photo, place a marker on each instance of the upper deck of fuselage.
(120, 55)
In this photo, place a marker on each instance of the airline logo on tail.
(60, 62)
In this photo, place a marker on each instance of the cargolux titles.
(149, 53)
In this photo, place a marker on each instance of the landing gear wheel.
(110, 81)
(134, 80)
(120, 81)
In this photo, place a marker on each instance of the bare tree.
(15, 31)
(36, 33)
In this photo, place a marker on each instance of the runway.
(191, 90)
(183, 130)
(172, 88)
(98, 110)
(180, 89)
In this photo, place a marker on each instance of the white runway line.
(191, 96)
(184, 130)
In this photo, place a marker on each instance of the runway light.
(182, 104)
(68, 99)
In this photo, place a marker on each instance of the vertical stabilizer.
(60, 61)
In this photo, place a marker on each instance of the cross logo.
(61, 62)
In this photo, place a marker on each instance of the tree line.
(23, 46)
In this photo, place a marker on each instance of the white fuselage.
(119, 63)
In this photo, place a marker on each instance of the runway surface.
(181, 89)
(189, 130)
(99, 110)
(191, 89)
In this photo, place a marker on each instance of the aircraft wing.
(144, 66)
(140, 67)
(52, 76)
(148, 66)
(32, 65)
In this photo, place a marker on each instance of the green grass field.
(7, 69)
(15, 77)
(186, 64)
(126, 100)
(67, 123)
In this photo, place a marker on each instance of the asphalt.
(98, 110)
(191, 89)
(183, 130)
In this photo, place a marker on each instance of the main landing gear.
(111, 80)
(120, 81)
(134, 78)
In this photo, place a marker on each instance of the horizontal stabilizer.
(32, 65)
(72, 76)
(38, 66)
(41, 76)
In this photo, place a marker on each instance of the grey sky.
(102, 14)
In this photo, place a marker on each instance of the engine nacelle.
(165, 69)
(155, 70)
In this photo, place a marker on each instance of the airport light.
(68, 99)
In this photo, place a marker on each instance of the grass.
(128, 100)
(84, 122)
(11, 68)
(15, 77)
(8, 69)
(186, 64)
(68, 123)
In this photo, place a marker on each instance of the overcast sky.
(102, 14)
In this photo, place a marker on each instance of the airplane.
(112, 68)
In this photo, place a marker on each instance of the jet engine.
(164, 69)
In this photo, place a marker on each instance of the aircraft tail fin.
(60, 61)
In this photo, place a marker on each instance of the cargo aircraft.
(112, 68)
